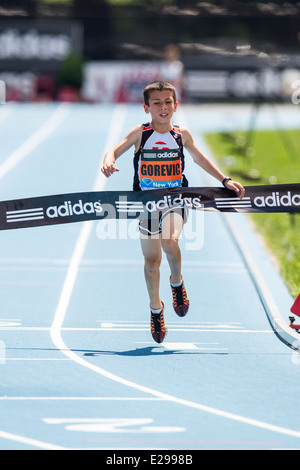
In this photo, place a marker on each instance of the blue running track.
(78, 366)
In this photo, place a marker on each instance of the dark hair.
(158, 86)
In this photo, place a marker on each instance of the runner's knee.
(152, 264)
(169, 245)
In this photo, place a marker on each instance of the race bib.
(160, 169)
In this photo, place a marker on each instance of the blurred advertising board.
(38, 44)
(124, 81)
(242, 80)
(33, 48)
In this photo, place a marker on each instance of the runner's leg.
(172, 225)
(171, 229)
(151, 248)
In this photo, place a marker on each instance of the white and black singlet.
(159, 162)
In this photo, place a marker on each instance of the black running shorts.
(152, 225)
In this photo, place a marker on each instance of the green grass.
(270, 157)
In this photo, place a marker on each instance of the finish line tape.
(97, 205)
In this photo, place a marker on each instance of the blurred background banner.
(32, 53)
(107, 50)
(124, 81)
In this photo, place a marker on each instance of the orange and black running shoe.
(181, 301)
(158, 327)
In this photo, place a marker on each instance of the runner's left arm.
(206, 164)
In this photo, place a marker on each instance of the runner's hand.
(108, 169)
(237, 187)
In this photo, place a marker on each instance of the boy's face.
(161, 106)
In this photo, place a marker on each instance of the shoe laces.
(157, 321)
(179, 295)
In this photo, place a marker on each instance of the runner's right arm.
(133, 138)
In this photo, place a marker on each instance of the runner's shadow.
(147, 351)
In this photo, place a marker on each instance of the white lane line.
(36, 359)
(119, 262)
(139, 328)
(113, 135)
(30, 442)
(80, 399)
(197, 325)
(184, 346)
(46, 264)
(32, 142)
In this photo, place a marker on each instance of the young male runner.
(159, 163)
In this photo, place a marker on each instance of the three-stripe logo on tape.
(25, 214)
(129, 206)
(232, 202)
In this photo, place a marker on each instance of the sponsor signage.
(256, 82)
(124, 81)
(30, 49)
(32, 41)
(160, 169)
(78, 207)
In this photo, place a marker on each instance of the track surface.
(79, 368)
